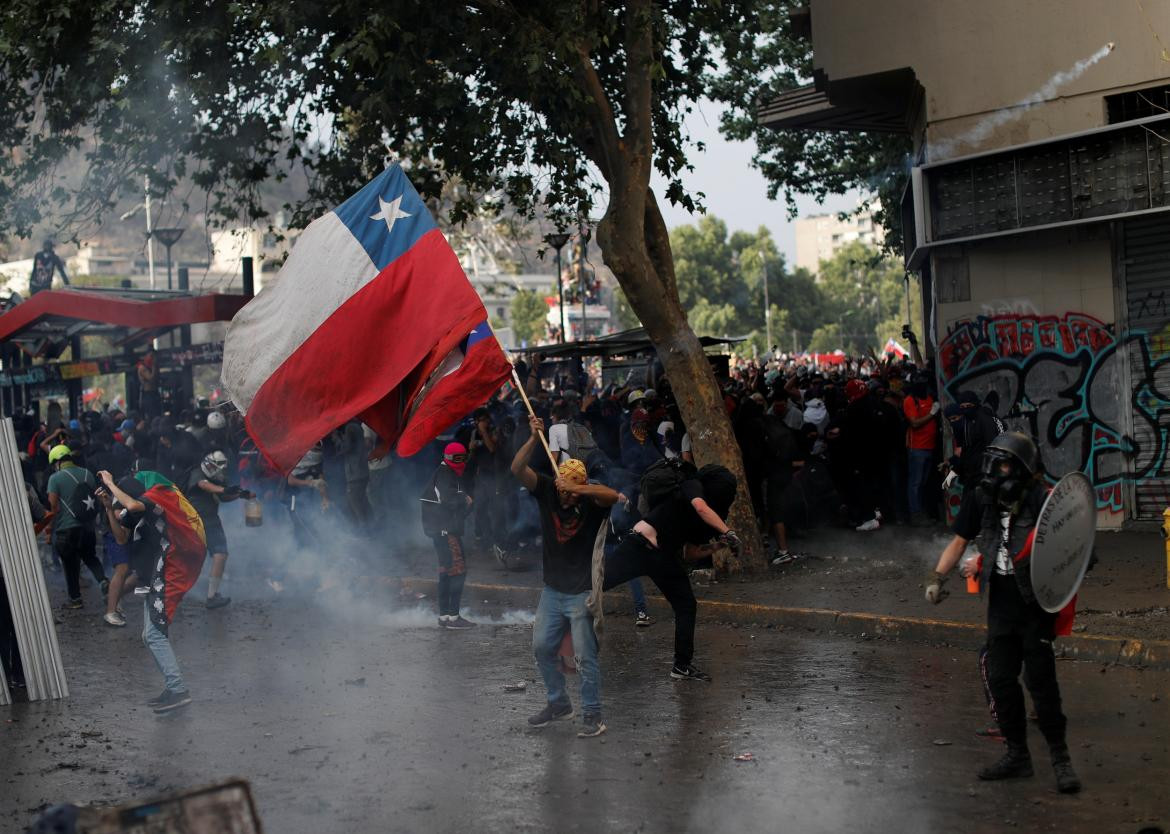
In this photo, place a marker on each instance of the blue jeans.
(919, 470)
(164, 656)
(639, 595)
(555, 613)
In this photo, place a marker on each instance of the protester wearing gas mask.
(1000, 515)
(206, 489)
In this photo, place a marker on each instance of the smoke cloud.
(949, 148)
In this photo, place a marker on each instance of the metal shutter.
(1147, 287)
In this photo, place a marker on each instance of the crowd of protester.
(858, 444)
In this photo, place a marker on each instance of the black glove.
(732, 541)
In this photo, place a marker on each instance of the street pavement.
(347, 710)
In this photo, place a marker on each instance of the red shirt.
(923, 437)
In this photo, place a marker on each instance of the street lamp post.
(168, 238)
(557, 240)
(584, 238)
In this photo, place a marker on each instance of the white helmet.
(215, 466)
(216, 421)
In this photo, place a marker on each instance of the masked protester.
(207, 488)
(572, 512)
(445, 505)
(689, 523)
(1000, 515)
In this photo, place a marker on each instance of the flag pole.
(528, 405)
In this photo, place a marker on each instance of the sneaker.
(172, 700)
(689, 673)
(872, 524)
(158, 699)
(643, 620)
(442, 621)
(591, 726)
(550, 714)
(783, 557)
(500, 555)
(114, 619)
(73, 604)
(105, 586)
(460, 624)
(217, 601)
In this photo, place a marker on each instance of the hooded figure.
(445, 504)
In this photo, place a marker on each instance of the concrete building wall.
(976, 58)
(820, 236)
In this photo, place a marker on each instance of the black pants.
(9, 652)
(74, 546)
(633, 558)
(1019, 639)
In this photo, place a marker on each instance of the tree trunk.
(635, 245)
(699, 399)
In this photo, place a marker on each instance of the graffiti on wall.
(1060, 379)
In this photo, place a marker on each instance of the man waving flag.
(371, 317)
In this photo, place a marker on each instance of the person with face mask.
(572, 512)
(445, 504)
(207, 488)
(1000, 515)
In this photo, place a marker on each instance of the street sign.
(1063, 545)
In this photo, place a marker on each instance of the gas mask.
(1002, 478)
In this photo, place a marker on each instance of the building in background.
(820, 236)
(1038, 210)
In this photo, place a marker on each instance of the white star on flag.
(89, 503)
(390, 212)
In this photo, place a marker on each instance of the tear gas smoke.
(948, 148)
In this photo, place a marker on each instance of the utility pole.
(767, 306)
(149, 236)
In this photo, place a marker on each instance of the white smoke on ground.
(336, 575)
(423, 616)
(948, 148)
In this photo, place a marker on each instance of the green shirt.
(66, 483)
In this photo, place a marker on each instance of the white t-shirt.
(686, 444)
(558, 441)
(1003, 560)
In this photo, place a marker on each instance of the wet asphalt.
(352, 712)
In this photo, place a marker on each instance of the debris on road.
(745, 757)
(518, 686)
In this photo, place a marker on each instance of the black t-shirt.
(569, 534)
(204, 502)
(146, 540)
(676, 521)
(969, 521)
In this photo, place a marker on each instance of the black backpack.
(86, 506)
(661, 481)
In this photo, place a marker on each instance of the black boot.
(1016, 763)
(1067, 780)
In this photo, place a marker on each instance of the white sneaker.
(114, 619)
(872, 524)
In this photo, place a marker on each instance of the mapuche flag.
(371, 317)
(182, 545)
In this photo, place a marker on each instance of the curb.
(1123, 651)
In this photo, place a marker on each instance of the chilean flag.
(371, 317)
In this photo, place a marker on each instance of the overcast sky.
(736, 192)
